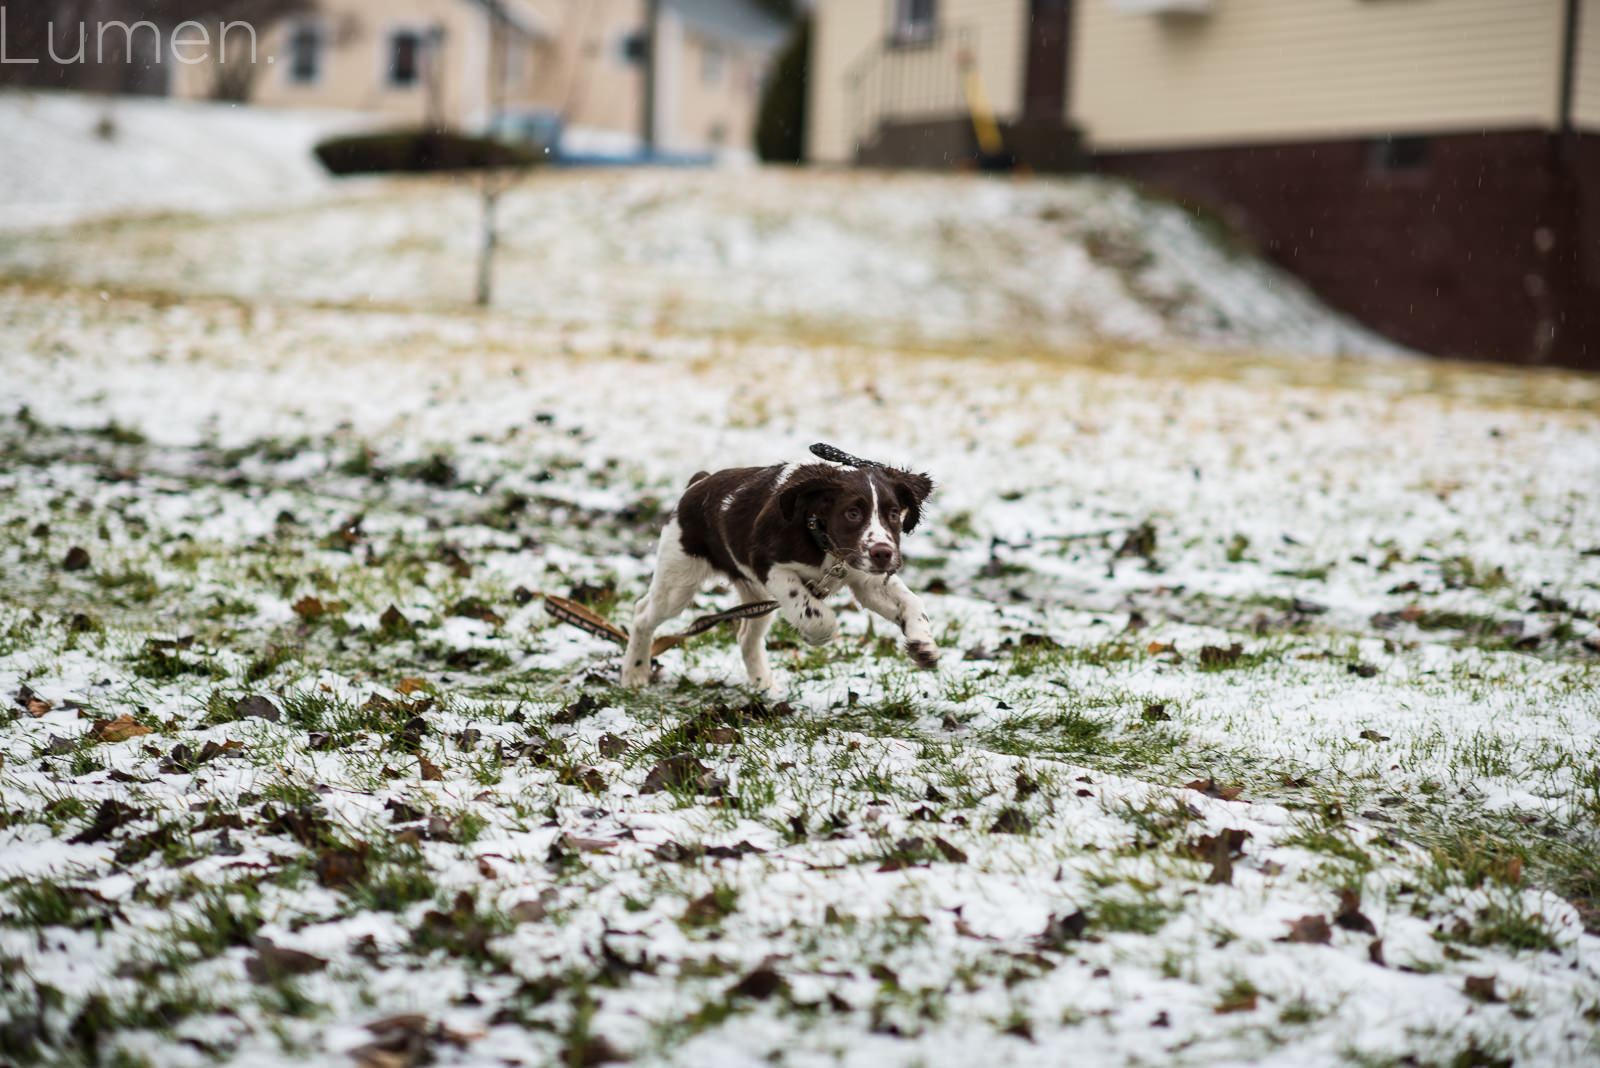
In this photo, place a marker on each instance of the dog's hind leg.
(753, 638)
(678, 575)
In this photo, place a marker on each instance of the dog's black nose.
(882, 555)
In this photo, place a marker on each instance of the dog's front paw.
(924, 654)
(636, 674)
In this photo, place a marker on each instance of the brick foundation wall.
(1487, 248)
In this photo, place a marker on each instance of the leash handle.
(824, 451)
(584, 619)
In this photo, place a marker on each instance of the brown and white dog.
(792, 533)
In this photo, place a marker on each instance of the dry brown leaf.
(431, 772)
(371, 1056)
(528, 911)
(1350, 916)
(119, 729)
(588, 778)
(1215, 656)
(1312, 930)
(760, 985)
(1210, 788)
(1480, 988)
(1221, 858)
(341, 867)
(411, 685)
(272, 962)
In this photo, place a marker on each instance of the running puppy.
(792, 533)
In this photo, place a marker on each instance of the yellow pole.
(983, 123)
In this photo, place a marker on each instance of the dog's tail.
(839, 456)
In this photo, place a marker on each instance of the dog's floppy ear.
(911, 489)
(806, 491)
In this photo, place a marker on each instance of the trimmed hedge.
(781, 122)
(420, 150)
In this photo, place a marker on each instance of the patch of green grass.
(1145, 914)
(38, 903)
(1063, 734)
(1048, 656)
(1503, 921)
(130, 585)
(1318, 573)
(64, 810)
(217, 919)
(1155, 822)
(394, 880)
(159, 664)
(116, 434)
(160, 1008)
(84, 761)
(1463, 572)
(1299, 1011)
(1329, 839)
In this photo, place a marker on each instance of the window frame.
(390, 68)
(299, 33)
(909, 26)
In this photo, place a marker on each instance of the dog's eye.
(853, 515)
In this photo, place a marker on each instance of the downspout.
(652, 41)
(1560, 255)
(1569, 77)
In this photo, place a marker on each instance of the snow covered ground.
(870, 257)
(66, 158)
(1361, 614)
(1266, 728)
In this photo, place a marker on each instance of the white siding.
(1269, 69)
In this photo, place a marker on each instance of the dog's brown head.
(860, 512)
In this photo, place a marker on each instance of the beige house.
(1160, 73)
(1430, 166)
(461, 63)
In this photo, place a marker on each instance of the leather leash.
(583, 618)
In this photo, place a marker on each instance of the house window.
(305, 54)
(635, 48)
(405, 57)
(1398, 155)
(914, 19)
(712, 62)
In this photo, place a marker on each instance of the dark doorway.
(1044, 88)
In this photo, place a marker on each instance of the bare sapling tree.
(495, 178)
